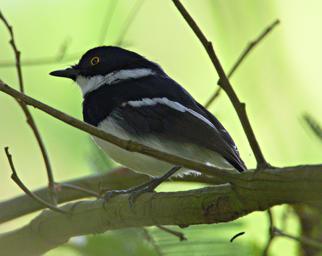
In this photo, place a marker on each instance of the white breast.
(135, 161)
(148, 165)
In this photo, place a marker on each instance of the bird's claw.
(112, 193)
(134, 194)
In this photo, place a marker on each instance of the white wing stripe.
(172, 104)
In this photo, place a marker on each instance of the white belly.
(149, 165)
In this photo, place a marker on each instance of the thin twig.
(16, 179)
(270, 231)
(30, 120)
(151, 240)
(16, 51)
(251, 46)
(129, 20)
(225, 84)
(178, 234)
(304, 240)
(275, 232)
(107, 21)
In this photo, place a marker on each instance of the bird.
(133, 98)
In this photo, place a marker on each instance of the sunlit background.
(279, 82)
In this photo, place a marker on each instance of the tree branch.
(125, 144)
(226, 85)
(30, 119)
(303, 240)
(271, 235)
(251, 46)
(251, 192)
(122, 178)
(16, 179)
(116, 179)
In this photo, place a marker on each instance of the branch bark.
(251, 192)
(119, 178)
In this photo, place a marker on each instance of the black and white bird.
(134, 99)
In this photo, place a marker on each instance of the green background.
(279, 81)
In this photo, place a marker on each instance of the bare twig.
(129, 20)
(275, 232)
(30, 120)
(251, 46)
(151, 240)
(270, 231)
(304, 240)
(178, 234)
(20, 184)
(15, 49)
(225, 84)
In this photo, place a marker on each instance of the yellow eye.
(95, 60)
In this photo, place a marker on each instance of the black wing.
(172, 124)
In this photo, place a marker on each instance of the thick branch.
(251, 192)
(122, 178)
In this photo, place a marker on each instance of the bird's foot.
(136, 192)
(148, 187)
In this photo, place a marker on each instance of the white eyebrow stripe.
(90, 84)
(172, 104)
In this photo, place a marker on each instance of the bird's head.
(99, 64)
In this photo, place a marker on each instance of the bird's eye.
(95, 60)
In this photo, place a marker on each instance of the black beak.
(71, 73)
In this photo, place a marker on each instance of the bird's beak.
(71, 73)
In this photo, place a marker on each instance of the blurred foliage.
(278, 81)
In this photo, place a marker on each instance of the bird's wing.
(225, 135)
(169, 120)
